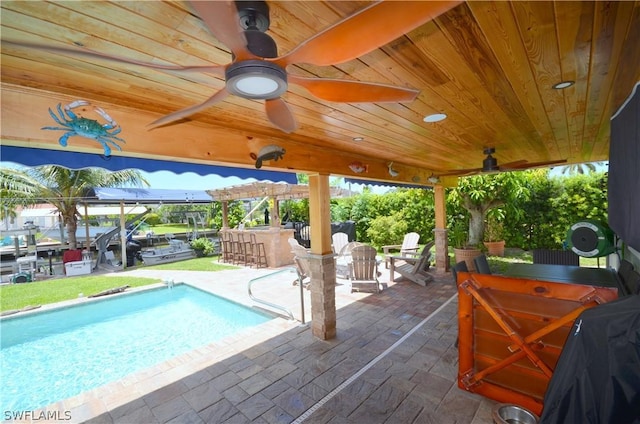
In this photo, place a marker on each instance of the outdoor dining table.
(601, 277)
(512, 327)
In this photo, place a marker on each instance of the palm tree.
(63, 188)
(581, 168)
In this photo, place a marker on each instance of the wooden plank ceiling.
(489, 66)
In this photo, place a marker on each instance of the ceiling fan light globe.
(256, 79)
(256, 85)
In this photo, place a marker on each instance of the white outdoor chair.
(408, 247)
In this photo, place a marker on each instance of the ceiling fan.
(490, 164)
(257, 72)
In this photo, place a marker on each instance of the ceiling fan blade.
(459, 172)
(184, 113)
(221, 18)
(514, 165)
(279, 114)
(529, 165)
(364, 31)
(213, 69)
(336, 90)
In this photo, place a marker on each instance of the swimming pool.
(50, 356)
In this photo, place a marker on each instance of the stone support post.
(322, 263)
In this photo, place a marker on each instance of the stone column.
(442, 250)
(323, 296)
(323, 273)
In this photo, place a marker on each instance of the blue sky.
(190, 180)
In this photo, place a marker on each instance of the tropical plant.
(494, 227)
(479, 194)
(581, 168)
(235, 213)
(63, 188)
(458, 231)
(295, 210)
(203, 244)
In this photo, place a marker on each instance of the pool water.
(50, 356)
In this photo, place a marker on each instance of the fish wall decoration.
(358, 167)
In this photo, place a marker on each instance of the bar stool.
(258, 255)
(227, 249)
(239, 250)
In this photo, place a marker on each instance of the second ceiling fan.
(257, 72)
(490, 164)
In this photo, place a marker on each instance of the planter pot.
(467, 255)
(199, 253)
(495, 248)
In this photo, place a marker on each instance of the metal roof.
(146, 196)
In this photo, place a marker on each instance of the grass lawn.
(173, 228)
(209, 263)
(17, 296)
(169, 228)
(499, 265)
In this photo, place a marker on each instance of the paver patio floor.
(393, 361)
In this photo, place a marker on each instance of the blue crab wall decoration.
(85, 127)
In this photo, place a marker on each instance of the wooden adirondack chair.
(344, 258)
(302, 264)
(364, 269)
(413, 268)
(339, 240)
(409, 246)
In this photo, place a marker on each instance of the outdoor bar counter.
(275, 239)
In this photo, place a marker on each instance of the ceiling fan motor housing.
(254, 19)
(490, 164)
(261, 44)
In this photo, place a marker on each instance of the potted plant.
(493, 235)
(480, 194)
(203, 246)
(463, 250)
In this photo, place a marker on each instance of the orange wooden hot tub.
(512, 330)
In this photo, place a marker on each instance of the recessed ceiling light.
(436, 117)
(563, 84)
(357, 138)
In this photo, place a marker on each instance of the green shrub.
(153, 219)
(386, 230)
(203, 244)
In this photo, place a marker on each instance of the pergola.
(258, 190)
